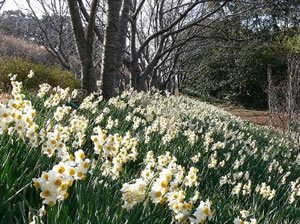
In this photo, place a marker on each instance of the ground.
(260, 117)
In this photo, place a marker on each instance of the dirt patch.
(256, 116)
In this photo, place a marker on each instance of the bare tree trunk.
(271, 98)
(134, 69)
(293, 96)
(110, 66)
(127, 4)
(88, 77)
(290, 95)
(84, 44)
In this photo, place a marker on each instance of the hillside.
(139, 150)
(11, 46)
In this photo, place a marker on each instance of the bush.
(52, 75)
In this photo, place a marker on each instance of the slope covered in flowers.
(140, 158)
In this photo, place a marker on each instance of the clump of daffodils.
(195, 158)
(78, 127)
(202, 213)
(55, 138)
(90, 103)
(114, 151)
(294, 191)
(17, 116)
(55, 183)
(61, 112)
(43, 90)
(163, 181)
(266, 191)
(191, 136)
(57, 96)
(31, 74)
(244, 219)
(134, 193)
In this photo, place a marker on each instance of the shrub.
(53, 74)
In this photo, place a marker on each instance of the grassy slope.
(98, 199)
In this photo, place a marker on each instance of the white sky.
(18, 4)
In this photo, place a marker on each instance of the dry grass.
(16, 47)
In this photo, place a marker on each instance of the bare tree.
(2, 3)
(55, 32)
(152, 47)
(158, 29)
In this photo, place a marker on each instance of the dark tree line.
(234, 64)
